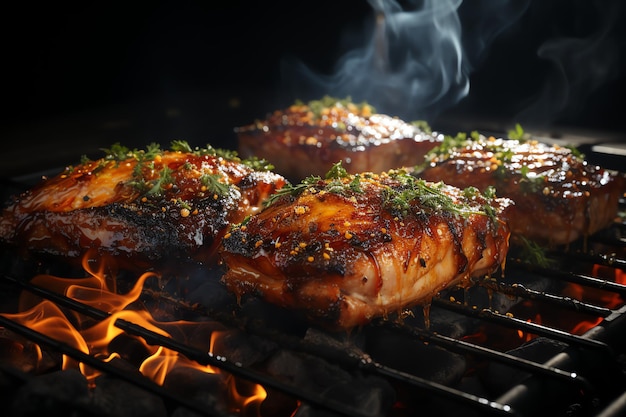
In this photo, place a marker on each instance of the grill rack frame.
(602, 340)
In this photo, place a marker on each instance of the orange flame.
(95, 337)
(527, 336)
(603, 298)
(610, 300)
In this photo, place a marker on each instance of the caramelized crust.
(558, 196)
(307, 139)
(344, 251)
(141, 206)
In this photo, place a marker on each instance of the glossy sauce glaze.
(343, 251)
(308, 138)
(558, 196)
(150, 204)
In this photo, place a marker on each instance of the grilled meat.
(142, 205)
(349, 248)
(307, 139)
(558, 196)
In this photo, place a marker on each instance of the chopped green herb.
(318, 106)
(293, 190)
(518, 133)
(336, 171)
(180, 145)
(116, 152)
(533, 253)
(214, 185)
(423, 126)
(165, 178)
(429, 195)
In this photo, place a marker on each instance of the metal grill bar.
(519, 290)
(583, 279)
(592, 258)
(133, 378)
(204, 358)
(461, 346)
(601, 370)
(516, 323)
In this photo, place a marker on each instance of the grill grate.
(566, 369)
(571, 373)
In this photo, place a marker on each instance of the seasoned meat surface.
(142, 205)
(558, 196)
(308, 138)
(349, 248)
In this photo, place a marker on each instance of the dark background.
(79, 78)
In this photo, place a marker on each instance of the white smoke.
(579, 65)
(414, 62)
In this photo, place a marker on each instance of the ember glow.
(104, 340)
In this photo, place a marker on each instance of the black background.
(79, 78)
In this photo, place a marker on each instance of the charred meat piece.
(308, 138)
(348, 248)
(558, 196)
(140, 205)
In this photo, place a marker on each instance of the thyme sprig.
(532, 253)
(432, 196)
(293, 190)
(398, 199)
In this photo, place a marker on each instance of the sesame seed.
(258, 243)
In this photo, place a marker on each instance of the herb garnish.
(423, 126)
(533, 253)
(517, 133)
(147, 160)
(317, 107)
(214, 185)
(398, 198)
(293, 190)
(432, 196)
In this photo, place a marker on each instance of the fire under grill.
(541, 338)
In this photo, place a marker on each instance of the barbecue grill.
(543, 337)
